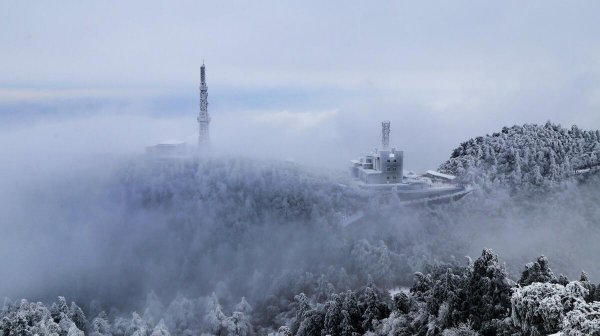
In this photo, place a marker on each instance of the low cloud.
(295, 121)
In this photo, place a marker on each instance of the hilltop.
(525, 156)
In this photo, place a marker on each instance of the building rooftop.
(440, 175)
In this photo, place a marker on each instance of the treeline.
(478, 299)
(523, 156)
(450, 299)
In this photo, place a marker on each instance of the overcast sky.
(292, 77)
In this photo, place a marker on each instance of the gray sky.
(304, 76)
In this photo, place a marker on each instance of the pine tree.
(373, 308)
(214, 315)
(347, 327)
(488, 293)
(351, 306)
(538, 271)
(154, 308)
(562, 279)
(138, 326)
(333, 315)
(78, 317)
(302, 306)
(401, 303)
(100, 325)
(183, 316)
(160, 329)
(284, 331)
(243, 306)
(237, 324)
(312, 324)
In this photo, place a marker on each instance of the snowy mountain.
(232, 246)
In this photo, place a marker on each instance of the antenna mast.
(385, 134)
(203, 117)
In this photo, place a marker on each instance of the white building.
(382, 166)
(168, 149)
(379, 167)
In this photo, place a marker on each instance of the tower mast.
(385, 135)
(203, 117)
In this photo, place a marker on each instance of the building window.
(388, 160)
(394, 160)
(388, 177)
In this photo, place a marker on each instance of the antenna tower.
(385, 134)
(203, 117)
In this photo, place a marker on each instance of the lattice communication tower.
(385, 134)
(203, 117)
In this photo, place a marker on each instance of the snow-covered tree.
(100, 326)
(537, 271)
(160, 329)
(333, 316)
(154, 309)
(373, 308)
(488, 293)
(243, 306)
(312, 323)
(524, 156)
(214, 318)
(545, 308)
(183, 315)
(238, 324)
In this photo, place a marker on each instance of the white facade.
(379, 167)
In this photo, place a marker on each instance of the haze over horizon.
(303, 74)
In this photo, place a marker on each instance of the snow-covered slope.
(523, 156)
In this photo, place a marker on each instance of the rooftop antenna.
(385, 134)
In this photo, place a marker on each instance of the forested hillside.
(523, 156)
(475, 299)
(231, 246)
